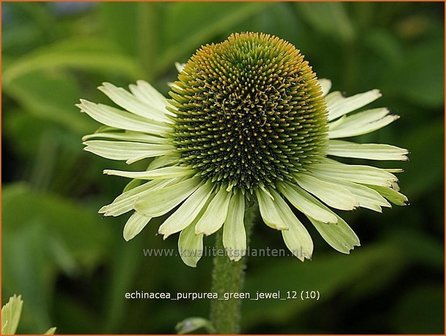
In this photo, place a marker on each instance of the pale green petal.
(11, 313)
(131, 103)
(166, 160)
(135, 224)
(353, 173)
(339, 105)
(187, 212)
(179, 66)
(303, 202)
(325, 86)
(114, 117)
(190, 246)
(269, 211)
(234, 234)
(366, 151)
(296, 238)
(149, 95)
(330, 193)
(126, 201)
(160, 173)
(128, 151)
(340, 236)
(160, 201)
(127, 136)
(392, 195)
(51, 331)
(215, 213)
(361, 123)
(366, 197)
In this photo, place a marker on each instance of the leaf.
(419, 75)
(76, 227)
(140, 21)
(32, 92)
(425, 169)
(320, 274)
(420, 311)
(118, 20)
(80, 54)
(189, 25)
(42, 235)
(329, 18)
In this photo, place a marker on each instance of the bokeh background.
(73, 267)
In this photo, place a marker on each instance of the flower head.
(247, 121)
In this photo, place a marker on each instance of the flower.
(247, 121)
(11, 313)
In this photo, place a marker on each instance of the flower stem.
(228, 277)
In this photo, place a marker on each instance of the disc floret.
(249, 112)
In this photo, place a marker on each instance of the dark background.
(73, 267)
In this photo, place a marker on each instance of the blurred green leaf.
(44, 234)
(32, 89)
(425, 169)
(118, 20)
(421, 311)
(419, 75)
(77, 228)
(329, 18)
(384, 45)
(80, 54)
(133, 27)
(322, 274)
(189, 25)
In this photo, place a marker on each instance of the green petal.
(126, 201)
(179, 66)
(129, 151)
(11, 313)
(269, 211)
(339, 236)
(160, 173)
(160, 201)
(187, 212)
(296, 238)
(339, 105)
(366, 197)
(325, 86)
(234, 234)
(145, 108)
(392, 195)
(148, 94)
(135, 224)
(114, 117)
(51, 331)
(366, 151)
(190, 246)
(361, 123)
(330, 193)
(215, 213)
(303, 202)
(166, 160)
(353, 173)
(127, 136)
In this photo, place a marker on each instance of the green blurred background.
(73, 267)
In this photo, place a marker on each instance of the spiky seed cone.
(249, 112)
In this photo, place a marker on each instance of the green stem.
(228, 277)
(147, 44)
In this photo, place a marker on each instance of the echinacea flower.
(247, 121)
